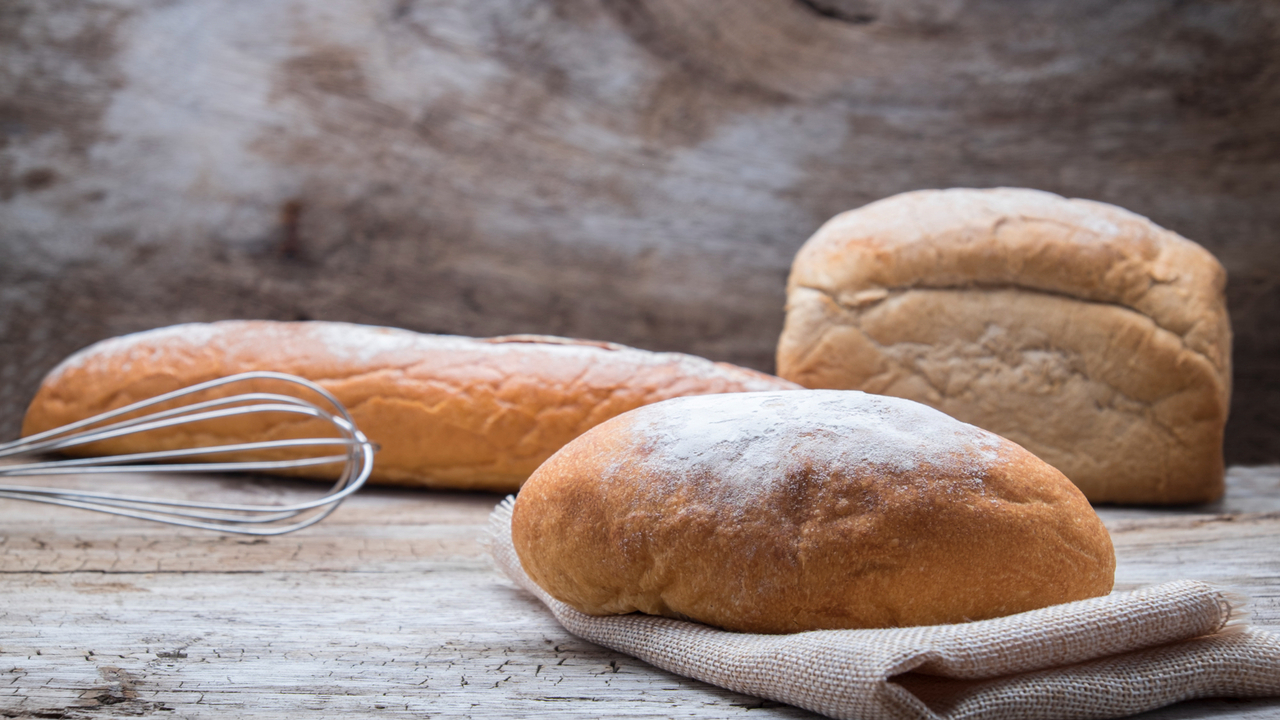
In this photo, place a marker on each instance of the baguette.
(446, 411)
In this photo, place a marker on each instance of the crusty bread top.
(1022, 238)
(334, 351)
(785, 512)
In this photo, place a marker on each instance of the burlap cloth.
(1102, 658)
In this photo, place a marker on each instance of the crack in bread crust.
(878, 295)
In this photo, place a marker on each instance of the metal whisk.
(351, 448)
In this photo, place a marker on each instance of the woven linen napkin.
(1105, 657)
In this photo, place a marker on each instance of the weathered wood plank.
(390, 607)
(443, 642)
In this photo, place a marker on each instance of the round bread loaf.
(784, 512)
(1086, 333)
(446, 411)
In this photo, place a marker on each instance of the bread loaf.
(1087, 334)
(448, 412)
(782, 512)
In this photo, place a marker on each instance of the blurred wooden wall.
(639, 171)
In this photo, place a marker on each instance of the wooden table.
(390, 608)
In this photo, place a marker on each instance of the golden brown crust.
(785, 512)
(1093, 337)
(446, 411)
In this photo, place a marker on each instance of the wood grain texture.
(390, 608)
(638, 171)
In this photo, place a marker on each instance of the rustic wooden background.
(632, 170)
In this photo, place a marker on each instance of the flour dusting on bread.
(753, 442)
(121, 349)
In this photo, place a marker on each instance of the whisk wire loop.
(355, 454)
